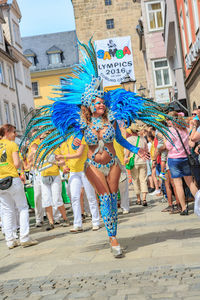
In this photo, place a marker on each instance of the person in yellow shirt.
(39, 210)
(12, 196)
(123, 181)
(51, 187)
(77, 179)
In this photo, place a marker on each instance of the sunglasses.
(193, 114)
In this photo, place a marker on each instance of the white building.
(16, 98)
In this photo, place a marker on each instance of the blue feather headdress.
(62, 118)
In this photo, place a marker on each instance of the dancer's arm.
(139, 151)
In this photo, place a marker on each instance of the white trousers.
(51, 193)
(76, 181)
(39, 210)
(124, 194)
(13, 198)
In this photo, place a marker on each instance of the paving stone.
(79, 295)
(104, 293)
(43, 293)
(55, 297)
(34, 297)
(166, 296)
(178, 288)
(118, 297)
(192, 298)
(133, 291)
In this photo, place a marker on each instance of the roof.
(6, 2)
(63, 42)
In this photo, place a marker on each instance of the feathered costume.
(63, 118)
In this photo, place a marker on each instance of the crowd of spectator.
(168, 174)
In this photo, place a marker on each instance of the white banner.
(114, 59)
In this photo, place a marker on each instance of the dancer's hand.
(143, 154)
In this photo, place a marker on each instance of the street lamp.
(128, 83)
(141, 90)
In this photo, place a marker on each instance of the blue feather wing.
(131, 107)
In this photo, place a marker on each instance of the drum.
(29, 191)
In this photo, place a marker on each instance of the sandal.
(167, 209)
(138, 202)
(144, 203)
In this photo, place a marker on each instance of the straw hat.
(134, 127)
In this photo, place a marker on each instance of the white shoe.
(125, 212)
(76, 229)
(95, 228)
(29, 243)
(116, 251)
(13, 245)
(156, 192)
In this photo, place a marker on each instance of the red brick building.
(189, 20)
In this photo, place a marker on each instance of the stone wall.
(91, 16)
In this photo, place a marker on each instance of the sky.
(45, 16)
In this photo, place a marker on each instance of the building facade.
(174, 55)
(189, 22)
(151, 29)
(16, 99)
(107, 19)
(51, 57)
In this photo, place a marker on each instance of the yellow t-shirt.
(75, 164)
(7, 168)
(54, 170)
(119, 151)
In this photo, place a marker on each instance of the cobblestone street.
(161, 260)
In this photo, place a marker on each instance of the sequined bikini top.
(91, 137)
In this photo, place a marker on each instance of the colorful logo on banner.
(115, 60)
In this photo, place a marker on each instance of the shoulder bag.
(131, 163)
(5, 183)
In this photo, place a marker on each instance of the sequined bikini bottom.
(105, 169)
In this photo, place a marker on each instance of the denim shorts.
(179, 167)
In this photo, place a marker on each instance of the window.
(161, 73)
(54, 58)
(18, 71)
(7, 112)
(1, 35)
(10, 77)
(24, 115)
(183, 34)
(27, 77)
(15, 118)
(155, 15)
(31, 59)
(110, 23)
(2, 77)
(16, 33)
(35, 89)
(196, 14)
(189, 32)
(55, 55)
(108, 2)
